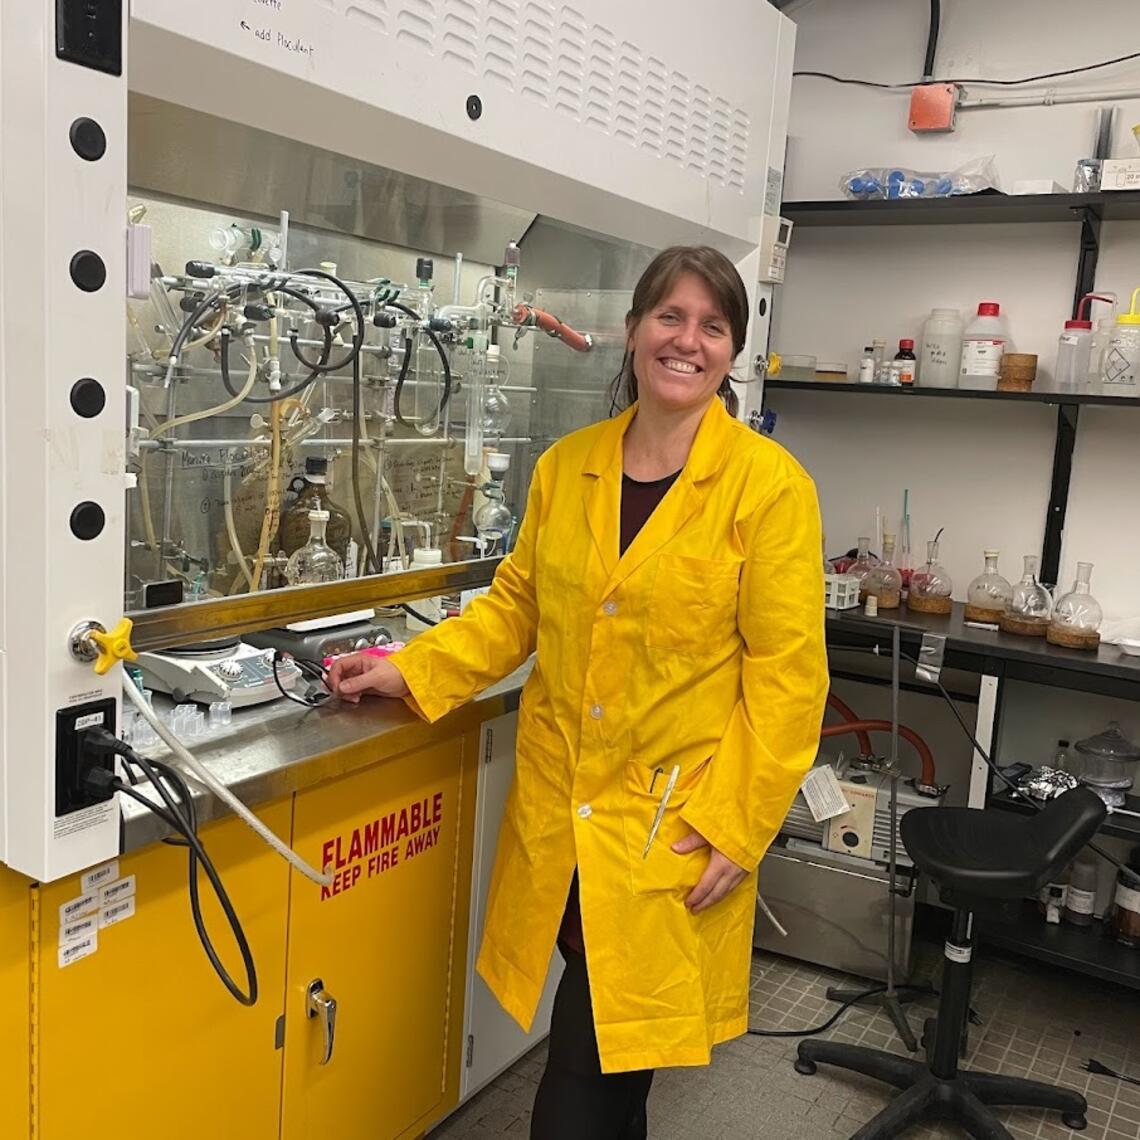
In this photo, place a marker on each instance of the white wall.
(980, 469)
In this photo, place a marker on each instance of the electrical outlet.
(71, 762)
(934, 108)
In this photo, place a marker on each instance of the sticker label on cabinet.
(114, 892)
(78, 929)
(382, 845)
(98, 876)
(81, 948)
(108, 916)
(85, 904)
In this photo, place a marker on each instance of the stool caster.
(808, 1069)
(1075, 1120)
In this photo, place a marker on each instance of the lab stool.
(984, 862)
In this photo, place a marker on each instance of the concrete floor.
(1036, 1022)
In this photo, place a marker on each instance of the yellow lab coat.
(701, 647)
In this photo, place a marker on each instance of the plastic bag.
(898, 182)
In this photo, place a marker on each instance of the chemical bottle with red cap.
(983, 344)
(907, 362)
(1074, 349)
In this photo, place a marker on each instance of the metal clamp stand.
(890, 999)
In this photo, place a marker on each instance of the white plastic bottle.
(941, 349)
(1105, 327)
(983, 344)
(432, 608)
(1073, 352)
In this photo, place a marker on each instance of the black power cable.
(932, 40)
(974, 80)
(179, 814)
(285, 393)
(408, 345)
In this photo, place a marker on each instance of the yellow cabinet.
(140, 1038)
(387, 942)
(15, 1009)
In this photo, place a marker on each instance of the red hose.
(528, 314)
(848, 715)
(920, 745)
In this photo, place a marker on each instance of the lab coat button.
(610, 608)
(597, 712)
(585, 811)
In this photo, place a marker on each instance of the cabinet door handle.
(320, 1003)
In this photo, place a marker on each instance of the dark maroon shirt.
(638, 502)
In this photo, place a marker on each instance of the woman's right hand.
(356, 673)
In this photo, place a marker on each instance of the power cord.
(312, 671)
(854, 1000)
(975, 80)
(179, 814)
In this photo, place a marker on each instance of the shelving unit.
(1089, 210)
(1108, 672)
(850, 387)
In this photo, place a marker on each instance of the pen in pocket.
(661, 806)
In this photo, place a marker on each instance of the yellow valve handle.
(114, 646)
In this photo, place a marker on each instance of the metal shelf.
(1080, 948)
(968, 209)
(1118, 826)
(852, 388)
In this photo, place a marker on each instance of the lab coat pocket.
(693, 603)
(654, 865)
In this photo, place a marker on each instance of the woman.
(668, 576)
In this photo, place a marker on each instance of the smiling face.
(682, 348)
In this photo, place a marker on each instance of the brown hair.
(723, 282)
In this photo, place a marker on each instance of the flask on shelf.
(989, 594)
(1080, 896)
(316, 561)
(1120, 369)
(930, 586)
(1030, 606)
(941, 349)
(864, 562)
(983, 343)
(883, 582)
(1077, 616)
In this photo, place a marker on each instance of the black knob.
(87, 521)
(384, 320)
(851, 839)
(200, 269)
(88, 271)
(424, 268)
(87, 398)
(87, 139)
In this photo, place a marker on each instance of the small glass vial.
(931, 587)
(864, 562)
(989, 594)
(316, 561)
(867, 365)
(1076, 619)
(1031, 605)
(884, 582)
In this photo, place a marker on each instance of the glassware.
(931, 587)
(493, 520)
(1076, 618)
(864, 562)
(496, 411)
(989, 594)
(312, 495)
(1030, 606)
(316, 561)
(1124, 918)
(883, 582)
(1108, 764)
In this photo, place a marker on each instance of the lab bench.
(995, 659)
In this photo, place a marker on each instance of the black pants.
(576, 1100)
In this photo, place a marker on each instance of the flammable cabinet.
(357, 1032)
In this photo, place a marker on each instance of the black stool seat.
(998, 855)
(980, 860)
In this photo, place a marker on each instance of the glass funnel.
(1076, 618)
(883, 582)
(864, 562)
(989, 594)
(1030, 606)
(1108, 764)
(930, 586)
(316, 561)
